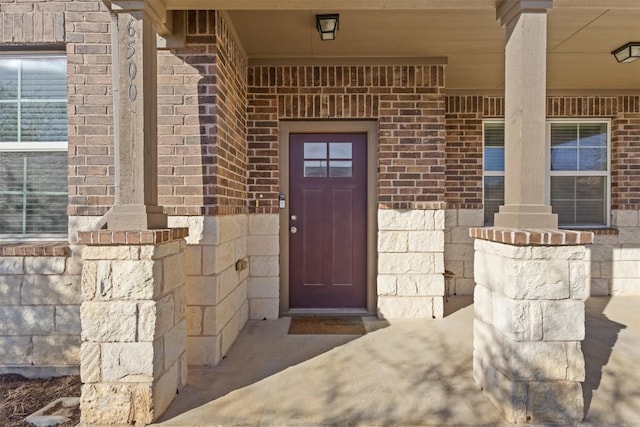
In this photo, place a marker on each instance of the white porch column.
(133, 45)
(525, 91)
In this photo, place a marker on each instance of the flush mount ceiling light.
(627, 53)
(327, 26)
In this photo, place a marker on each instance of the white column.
(135, 119)
(525, 114)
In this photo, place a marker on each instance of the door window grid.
(332, 159)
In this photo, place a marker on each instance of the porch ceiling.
(582, 33)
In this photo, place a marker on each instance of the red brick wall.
(90, 108)
(407, 102)
(464, 152)
(230, 129)
(625, 159)
(201, 109)
(202, 122)
(464, 143)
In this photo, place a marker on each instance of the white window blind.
(579, 172)
(493, 169)
(33, 144)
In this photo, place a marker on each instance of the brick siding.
(91, 163)
(201, 107)
(407, 102)
(464, 152)
(202, 122)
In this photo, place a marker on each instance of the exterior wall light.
(627, 53)
(327, 26)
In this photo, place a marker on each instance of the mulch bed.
(21, 397)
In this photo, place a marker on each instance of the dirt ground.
(21, 397)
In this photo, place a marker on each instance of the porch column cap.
(509, 10)
(121, 6)
(159, 16)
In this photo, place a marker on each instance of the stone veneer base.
(529, 322)
(134, 331)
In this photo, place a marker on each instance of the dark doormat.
(326, 325)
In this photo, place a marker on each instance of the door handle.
(293, 229)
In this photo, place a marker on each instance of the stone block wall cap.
(133, 237)
(532, 237)
(418, 206)
(59, 249)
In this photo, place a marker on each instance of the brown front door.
(328, 220)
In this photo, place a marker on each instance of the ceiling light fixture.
(327, 26)
(627, 53)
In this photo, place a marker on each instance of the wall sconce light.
(327, 26)
(627, 53)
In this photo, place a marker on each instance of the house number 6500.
(132, 68)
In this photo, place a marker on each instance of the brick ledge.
(133, 237)
(533, 237)
(35, 249)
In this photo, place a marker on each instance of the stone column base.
(529, 320)
(133, 353)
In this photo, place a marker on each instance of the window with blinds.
(579, 172)
(33, 146)
(493, 169)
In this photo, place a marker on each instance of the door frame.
(331, 126)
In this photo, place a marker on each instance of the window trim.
(485, 172)
(39, 146)
(606, 173)
(549, 173)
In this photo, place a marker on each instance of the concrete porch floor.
(409, 373)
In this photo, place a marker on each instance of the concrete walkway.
(410, 373)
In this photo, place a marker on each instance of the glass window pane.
(593, 135)
(315, 168)
(44, 78)
(9, 70)
(564, 159)
(494, 158)
(494, 187)
(590, 212)
(12, 167)
(593, 159)
(315, 150)
(563, 187)
(44, 121)
(46, 214)
(590, 188)
(579, 200)
(564, 134)
(340, 169)
(340, 150)
(47, 173)
(565, 210)
(33, 188)
(8, 122)
(494, 134)
(11, 209)
(493, 197)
